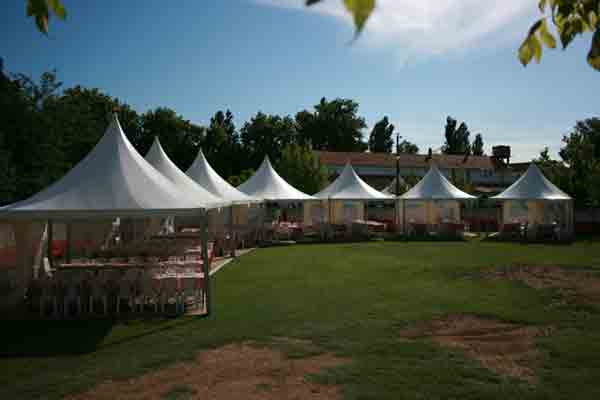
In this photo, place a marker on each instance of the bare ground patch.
(236, 371)
(573, 284)
(505, 348)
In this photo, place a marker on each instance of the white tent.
(204, 175)
(346, 197)
(432, 201)
(536, 201)
(349, 186)
(533, 185)
(435, 186)
(112, 180)
(266, 184)
(157, 157)
(243, 217)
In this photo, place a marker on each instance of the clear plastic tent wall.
(433, 201)
(346, 197)
(535, 201)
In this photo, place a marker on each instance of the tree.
(380, 140)
(457, 139)
(571, 18)
(581, 152)
(333, 126)
(180, 139)
(244, 175)
(302, 169)
(406, 147)
(222, 145)
(477, 148)
(266, 135)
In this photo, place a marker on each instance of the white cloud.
(431, 27)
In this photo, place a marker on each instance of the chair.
(150, 290)
(98, 291)
(48, 293)
(189, 291)
(125, 292)
(72, 293)
(170, 292)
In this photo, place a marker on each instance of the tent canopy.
(349, 186)
(435, 186)
(204, 175)
(266, 184)
(112, 180)
(532, 185)
(157, 157)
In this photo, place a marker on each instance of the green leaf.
(594, 54)
(57, 7)
(536, 48)
(546, 36)
(311, 2)
(360, 10)
(525, 53)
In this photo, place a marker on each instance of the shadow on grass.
(63, 338)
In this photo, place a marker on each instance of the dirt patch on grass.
(237, 371)
(573, 284)
(505, 348)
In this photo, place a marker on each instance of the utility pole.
(398, 163)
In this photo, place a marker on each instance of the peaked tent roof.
(266, 184)
(204, 175)
(157, 157)
(349, 186)
(532, 185)
(112, 180)
(435, 186)
(391, 188)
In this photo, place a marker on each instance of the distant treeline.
(45, 129)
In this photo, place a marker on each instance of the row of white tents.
(114, 180)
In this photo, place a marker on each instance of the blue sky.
(417, 62)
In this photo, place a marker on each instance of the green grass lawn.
(350, 299)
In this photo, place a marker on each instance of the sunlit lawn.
(351, 299)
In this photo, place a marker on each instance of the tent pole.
(231, 234)
(404, 230)
(49, 246)
(23, 245)
(205, 260)
(68, 249)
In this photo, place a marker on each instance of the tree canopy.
(457, 139)
(380, 139)
(406, 147)
(333, 125)
(477, 146)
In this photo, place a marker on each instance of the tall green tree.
(380, 139)
(406, 147)
(180, 139)
(477, 147)
(266, 135)
(581, 152)
(300, 166)
(222, 145)
(333, 126)
(457, 139)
